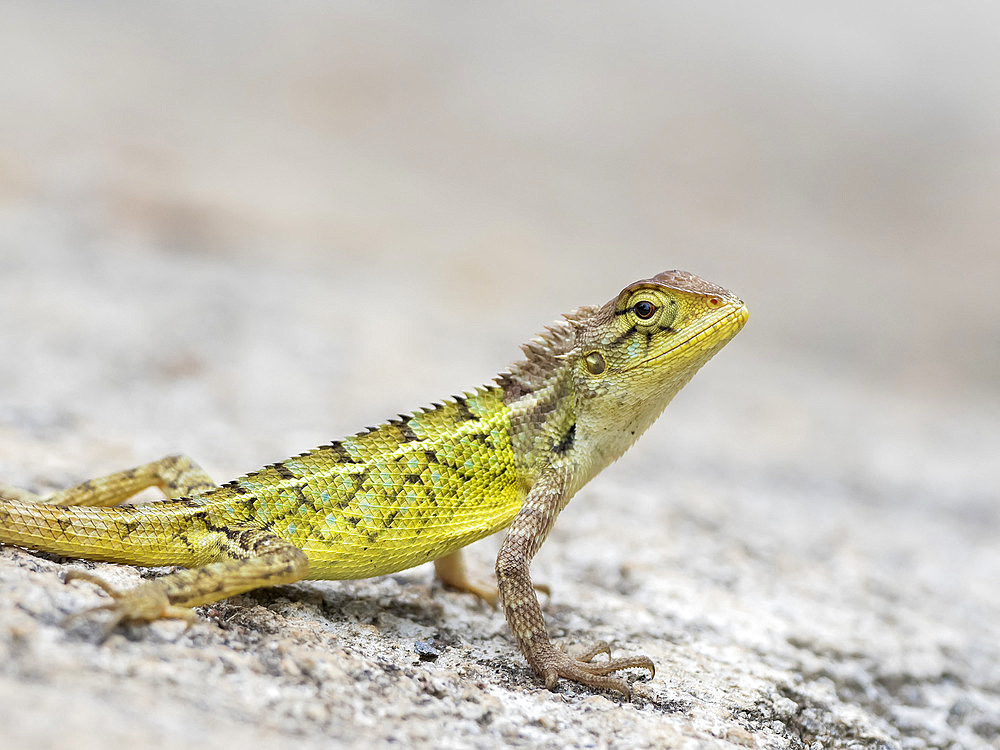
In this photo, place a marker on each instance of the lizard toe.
(597, 675)
(144, 603)
(601, 647)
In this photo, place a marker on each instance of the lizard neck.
(540, 393)
(542, 424)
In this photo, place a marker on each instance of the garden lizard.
(417, 488)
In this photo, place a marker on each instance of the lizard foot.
(144, 603)
(556, 664)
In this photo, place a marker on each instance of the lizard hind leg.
(176, 476)
(254, 559)
(451, 571)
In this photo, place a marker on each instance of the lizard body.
(415, 489)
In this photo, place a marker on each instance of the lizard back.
(408, 491)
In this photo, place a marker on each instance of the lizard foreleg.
(526, 533)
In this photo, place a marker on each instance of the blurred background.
(241, 229)
(383, 198)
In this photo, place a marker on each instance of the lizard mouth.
(735, 319)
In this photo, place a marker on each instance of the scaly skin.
(415, 489)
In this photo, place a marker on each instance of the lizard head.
(655, 332)
(592, 383)
(633, 354)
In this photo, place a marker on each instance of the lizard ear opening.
(595, 363)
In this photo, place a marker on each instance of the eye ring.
(644, 309)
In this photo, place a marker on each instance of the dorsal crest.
(543, 354)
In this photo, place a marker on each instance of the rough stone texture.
(240, 230)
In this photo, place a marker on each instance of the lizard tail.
(150, 534)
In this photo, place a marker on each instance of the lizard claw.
(144, 603)
(83, 575)
(581, 669)
(601, 647)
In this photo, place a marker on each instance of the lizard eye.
(644, 309)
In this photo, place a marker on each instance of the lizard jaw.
(736, 319)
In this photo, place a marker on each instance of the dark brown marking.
(414, 479)
(283, 471)
(623, 336)
(513, 388)
(406, 431)
(343, 502)
(300, 496)
(543, 408)
(363, 477)
(566, 442)
(464, 412)
(340, 451)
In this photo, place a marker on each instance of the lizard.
(417, 488)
